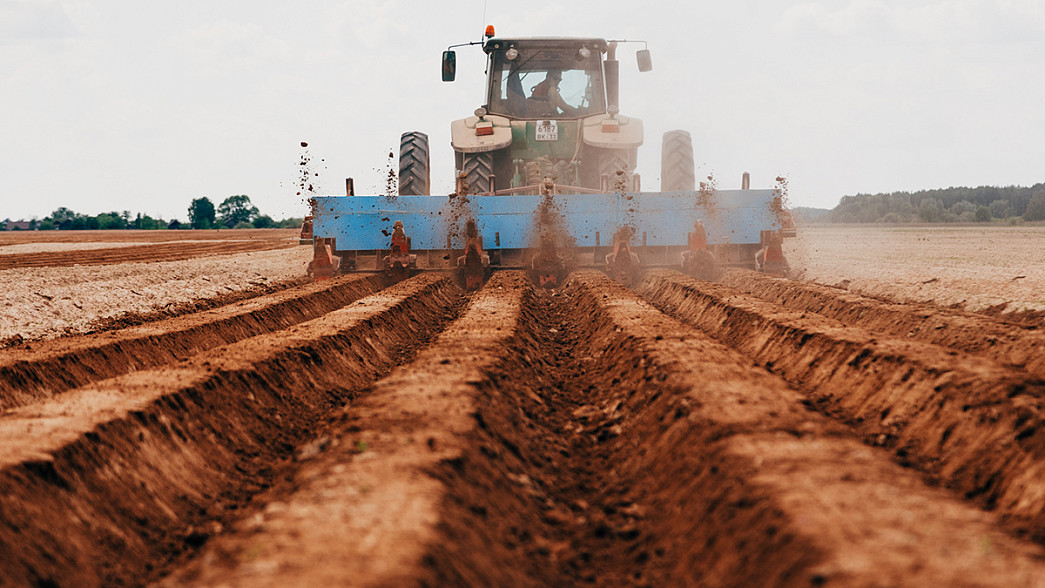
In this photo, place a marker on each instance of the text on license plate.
(547, 130)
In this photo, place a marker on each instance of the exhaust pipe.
(612, 71)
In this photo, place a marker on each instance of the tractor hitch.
(324, 264)
(623, 265)
(699, 261)
(474, 265)
(770, 258)
(399, 261)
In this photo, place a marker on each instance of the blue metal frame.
(665, 218)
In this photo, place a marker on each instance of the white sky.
(143, 106)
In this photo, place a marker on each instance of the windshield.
(546, 82)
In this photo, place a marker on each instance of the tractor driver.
(546, 98)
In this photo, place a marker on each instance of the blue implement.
(730, 217)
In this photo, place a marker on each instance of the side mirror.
(644, 59)
(449, 66)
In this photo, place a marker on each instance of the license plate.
(547, 130)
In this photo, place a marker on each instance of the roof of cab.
(590, 42)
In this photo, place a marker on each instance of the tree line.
(982, 204)
(235, 212)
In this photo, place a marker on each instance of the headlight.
(511, 53)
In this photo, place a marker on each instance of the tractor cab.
(543, 78)
(551, 114)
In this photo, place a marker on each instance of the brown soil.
(108, 483)
(44, 369)
(981, 268)
(19, 237)
(353, 432)
(612, 446)
(157, 252)
(46, 302)
(972, 424)
(1014, 342)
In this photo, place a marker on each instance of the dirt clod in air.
(307, 186)
(781, 202)
(459, 210)
(706, 195)
(391, 178)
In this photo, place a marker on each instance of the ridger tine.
(546, 182)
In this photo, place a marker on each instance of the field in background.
(975, 267)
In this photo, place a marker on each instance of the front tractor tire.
(676, 162)
(414, 170)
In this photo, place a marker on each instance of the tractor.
(545, 181)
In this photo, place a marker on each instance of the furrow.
(581, 436)
(109, 483)
(728, 480)
(52, 367)
(963, 331)
(139, 253)
(365, 510)
(972, 424)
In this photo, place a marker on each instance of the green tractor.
(551, 113)
(545, 181)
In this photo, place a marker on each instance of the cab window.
(520, 88)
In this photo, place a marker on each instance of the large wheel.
(617, 171)
(414, 174)
(477, 168)
(676, 162)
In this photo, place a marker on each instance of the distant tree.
(62, 214)
(983, 214)
(1036, 207)
(110, 221)
(929, 211)
(263, 221)
(295, 223)
(963, 206)
(145, 222)
(1000, 209)
(235, 210)
(201, 213)
(47, 225)
(941, 205)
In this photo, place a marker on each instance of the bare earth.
(973, 267)
(46, 302)
(369, 431)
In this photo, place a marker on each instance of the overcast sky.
(143, 106)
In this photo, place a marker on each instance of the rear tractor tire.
(676, 162)
(477, 169)
(414, 170)
(618, 173)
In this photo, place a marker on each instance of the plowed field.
(754, 431)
